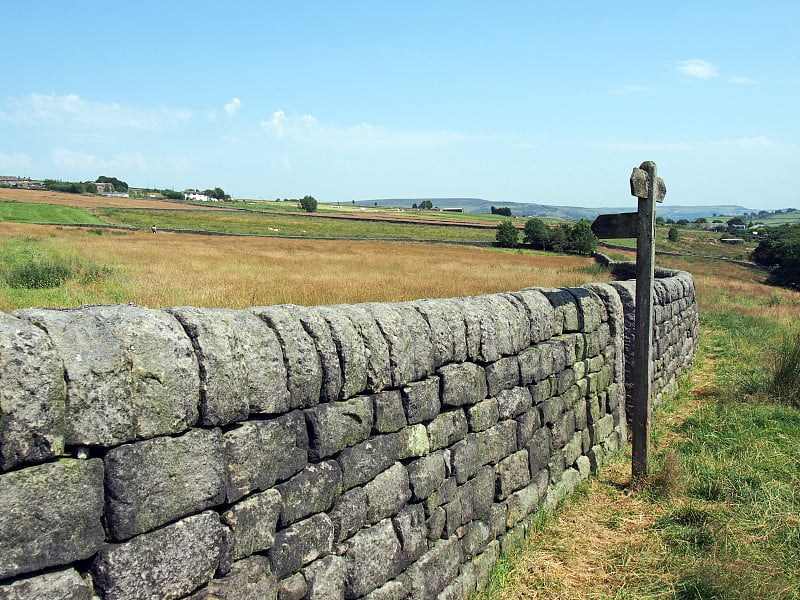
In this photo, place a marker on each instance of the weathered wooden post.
(649, 189)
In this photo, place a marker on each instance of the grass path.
(718, 518)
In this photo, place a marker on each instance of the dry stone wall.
(380, 451)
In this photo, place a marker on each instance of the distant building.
(104, 188)
(453, 209)
(15, 182)
(196, 195)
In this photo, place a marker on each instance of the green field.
(28, 212)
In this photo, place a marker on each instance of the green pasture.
(27, 212)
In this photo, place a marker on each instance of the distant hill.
(574, 213)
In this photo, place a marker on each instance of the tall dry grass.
(218, 271)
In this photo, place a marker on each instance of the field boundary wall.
(379, 450)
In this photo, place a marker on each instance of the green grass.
(243, 222)
(27, 212)
(38, 272)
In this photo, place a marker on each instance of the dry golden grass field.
(169, 269)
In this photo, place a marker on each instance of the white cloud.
(15, 162)
(697, 67)
(72, 111)
(64, 158)
(232, 106)
(306, 129)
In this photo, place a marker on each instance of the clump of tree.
(504, 211)
(424, 205)
(308, 203)
(672, 235)
(172, 195)
(217, 193)
(577, 238)
(119, 185)
(507, 235)
(779, 252)
(70, 187)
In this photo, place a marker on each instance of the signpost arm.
(643, 338)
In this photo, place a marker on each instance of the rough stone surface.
(411, 353)
(248, 579)
(426, 474)
(463, 383)
(303, 364)
(65, 525)
(349, 514)
(374, 557)
(421, 400)
(387, 411)
(156, 481)
(431, 574)
(513, 402)
(32, 395)
(447, 428)
(326, 578)
(222, 365)
(312, 490)
(259, 453)
(177, 559)
(363, 462)
(387, 493)
(447, 329)
(336, 425)
(317, 327)
(60, 585)
(483, 415)
(301, 543)
(378, 375)
(350, 349)
(502, 375)
(252, 522)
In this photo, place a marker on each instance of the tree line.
(576, 238)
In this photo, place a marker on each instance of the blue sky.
(550, 102)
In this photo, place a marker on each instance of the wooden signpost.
(649, 189)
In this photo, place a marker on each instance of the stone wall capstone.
(378, 451)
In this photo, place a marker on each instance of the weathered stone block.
(437, 567)
(539, 449)
(565, 307)
(482, 326)
(326, 578)
(301, 543)
(177, 559)
(513, 402)
(312, 490)
(448, 331)
(463, 383)
(466, 458)
(349, 514)
(421, 400)
(535, 364)
(303, 364)
(426, 474)
(374, 557)
(350, 349)
(387, 411)
(409, 524)
(502, 375)
(412, 442)
(497, 442)
(248, 579)
(63, 585)
(32, 395)
(483, 415)
(475, 537)
(362, 462)
(513, 473)
(252, 522)
(527, 500)
(50, 515)
(541, 314)
(259, 453)
(387, 493)
(527, 423)
(411, 351)
(378, 374)
(266, 383)
(336, 425)
(317, 327)
(224, 388)
(292, 588)
(447, 428)
(156, 481)
(397, 589)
